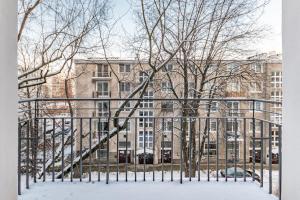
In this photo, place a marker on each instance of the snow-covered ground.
(146, 190)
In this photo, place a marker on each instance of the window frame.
(102, 70)
(102, 93)
(124, 86)
(167, 68)
(125, 68)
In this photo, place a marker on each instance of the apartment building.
(154, 127)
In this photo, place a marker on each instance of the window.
(166, 86)
(257, 67)
(257, 145)
(233, 108)
(233, 68)
(101, 153)
(166, 144)
(144, 76)
(233, 86)
(231, 126)
(147, 103)
(146, 137)
(191, 88)
(276, 79)
(167, 126)
(275, 138)
(122, 144)
(257, 126)
(258, 106)
(103, 108)
(103, 127)
(121, 121)
(124, 86)
(124, 68)
(232, 148)
(211, 147)
(126, 107)
(276, 118)
(146, 118)
(102, 71)
(167, 106)
(213, 106)
(167, 68)
(276, 95)
(102, 88)
(256, 87)
(213, 125)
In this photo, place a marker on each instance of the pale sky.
(270, 18)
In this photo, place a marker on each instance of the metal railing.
(216, 145)
(103, 74)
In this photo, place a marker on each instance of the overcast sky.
(271, 18)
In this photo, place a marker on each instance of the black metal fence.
(219, 143)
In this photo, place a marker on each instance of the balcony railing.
(101, 75)
(52, 147)
(101, 94)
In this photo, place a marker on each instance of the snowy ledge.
(148, 190)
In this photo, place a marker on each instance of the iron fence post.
(245, 138)
(80, 151)
(53, 150)
(72, 141)
(172, 148)
(19, 157)
(62, 150)
(153, 149)
(118, 157)
(208, 148)
(90, 148)
(217, 143)
(135, 147)
(270, 158)
(162, 149)
(226, 149)
(262, 154)
(199, 157)
(27, 153)
(235, 147)
(144, 147)
(190, 149)
(280, 159)
(181, 137)
(126, 150)
(253, 140)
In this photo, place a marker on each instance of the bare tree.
(219, 30)
(51, 33)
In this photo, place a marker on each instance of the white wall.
(291, 100)
(8, 99)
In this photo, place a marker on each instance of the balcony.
(101, 76)
(64, 149)
(101, 94)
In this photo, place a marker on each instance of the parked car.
(239, 173)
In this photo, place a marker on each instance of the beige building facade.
(156, 124)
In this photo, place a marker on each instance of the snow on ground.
(275, 181)
(146, 190)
